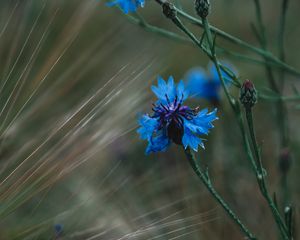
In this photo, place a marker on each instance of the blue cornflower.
(206, 85)
(58, 229)
(172, 121)
(127, 5)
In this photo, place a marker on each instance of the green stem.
(176, 37)
(253, 139)
(237, 41)
(178, 4)
(258, 165)
(282, 30)
(281, 112)
(160, 31)
(282, 98)
(243, 57)
(212, 55)
(242, 43)
(207, 182)
(281, 225)
(284, 121)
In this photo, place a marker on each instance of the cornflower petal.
(181, 91)
(127, 6)
(148, 126)
(158, 144)
(207, 85)
(189, 139)
(165, 92)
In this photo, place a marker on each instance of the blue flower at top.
(206, 85)
(127, 6)
(172, 121)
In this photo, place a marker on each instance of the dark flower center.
(175, 132)
(171, 117)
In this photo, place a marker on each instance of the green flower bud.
(169, 10)
(202, 8)
(248, 94)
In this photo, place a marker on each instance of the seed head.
(248, 94)
(202, 7)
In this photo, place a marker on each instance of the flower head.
(248, 94)
(172, 121)
(169, 10)
(206, 85)
(202, 7)
(127, 6)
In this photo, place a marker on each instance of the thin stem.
(282, 227)
(243, 57)
(257, 166)
(282, 98)
(207, 182)
(242, 43)
(281, 49)
(284, 122)
(281, 112)
(212, 55)
(178, 4)
(282, 30)
(138, 20)
(253, 139)
(160, 31)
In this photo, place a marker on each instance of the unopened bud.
(169, 10)
(285, 160)
(202, 7)
(248, 94)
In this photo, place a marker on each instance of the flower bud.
(285, 160)
(248, 94)
(169, 10)
(202, 7)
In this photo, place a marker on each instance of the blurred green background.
(74, 77)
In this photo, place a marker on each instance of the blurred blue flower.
(58, 229)
(127, 6)
(201, 84)
(172, 121)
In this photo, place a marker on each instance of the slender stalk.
(282, 227)
(281, 50)
(178, 4)
(281, 112)
(237, 41)
(258, 166)
(210, 54)
(176, 37)
(284, 123)
(241, 43)
(282, 98)
(207, 182)
(160, 31)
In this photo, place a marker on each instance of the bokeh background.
(74, 77)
